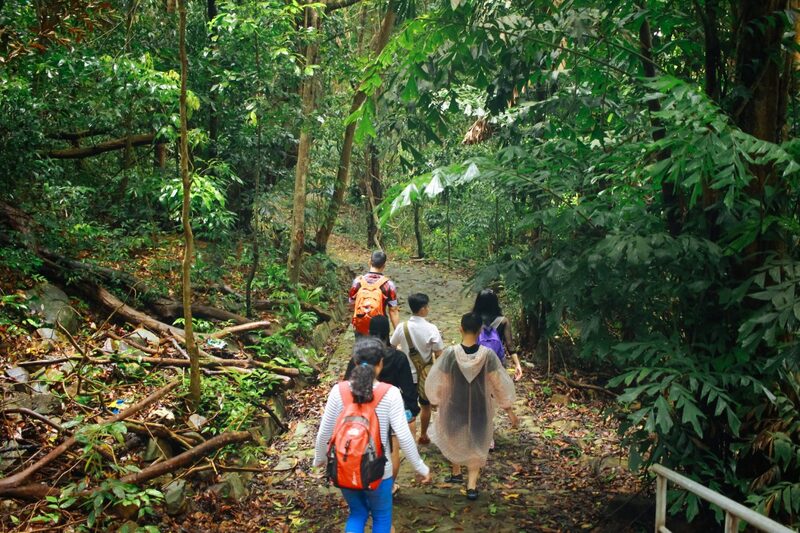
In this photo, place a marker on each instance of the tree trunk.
(343, 172)
(298, 237)
(668, 196)
(188, 250)
(417, 231)
(761, 69)
(373, 192)
(213, 115)
(254, 214)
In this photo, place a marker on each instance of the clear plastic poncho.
(467, 389)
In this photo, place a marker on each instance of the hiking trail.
(562, 469)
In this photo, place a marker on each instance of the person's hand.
(425, 480)
(518, 373)
(512, 416)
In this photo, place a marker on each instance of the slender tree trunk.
(188, 250)
(213, 115)
(668, 196)
(372, 190)
(713, 59)
(417, 231)
(254, 215)
(343, 172)
(303, 160)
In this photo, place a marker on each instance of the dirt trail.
(560, 471)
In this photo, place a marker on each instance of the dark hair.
(378, 259)
(417, 301)
(379, 328)
(487, 306)
(471, 323)
(367, 354)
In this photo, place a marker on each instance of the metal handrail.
(734, 512)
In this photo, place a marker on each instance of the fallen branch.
(581, 385)
(145, 349)
(250, 326)
(107, 146)
(154, 429)
(14, 481)
(189, 456)
(33, 414)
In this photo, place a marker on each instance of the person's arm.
(394, 316)
(326, 426)
(509, 346)
(351, 296)
(397, 419)
(433, 383)
(437, 344)
(503, 392)
(397, 339)
(407, 386)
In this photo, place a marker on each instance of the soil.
(562, 469)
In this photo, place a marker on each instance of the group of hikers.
(392, 381)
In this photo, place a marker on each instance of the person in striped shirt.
(368, 357)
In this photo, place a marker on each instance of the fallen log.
(82, 152)
(581, 385)
(189, 456)
(38, 491)
(282, 373)
(250, 326)
(16, 480)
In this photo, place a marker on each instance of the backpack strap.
(346, 393)
(379, 392)
(378, 282)
(408, 339)
(497, 321)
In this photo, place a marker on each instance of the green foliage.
(235, 398)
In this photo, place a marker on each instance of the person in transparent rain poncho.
(467, 383)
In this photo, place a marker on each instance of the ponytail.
(367, 354)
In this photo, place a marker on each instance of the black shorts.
(423, 402)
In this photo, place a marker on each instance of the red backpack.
(369, 302)
(355, 453)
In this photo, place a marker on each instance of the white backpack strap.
(497, 321)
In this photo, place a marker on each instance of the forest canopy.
(627, 173)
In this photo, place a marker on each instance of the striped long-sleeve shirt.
(391, 413)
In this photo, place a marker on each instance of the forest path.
(558, 472)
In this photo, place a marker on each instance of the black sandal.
(472, 494)
(454, 478)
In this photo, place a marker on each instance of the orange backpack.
(369, 303)
(355, 452)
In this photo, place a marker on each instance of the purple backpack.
(490, 337)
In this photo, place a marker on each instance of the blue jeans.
(378, 502)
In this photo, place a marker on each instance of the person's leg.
(380, 504)
(472, 477)
(425, 420)
(359, 510)
(455, 474)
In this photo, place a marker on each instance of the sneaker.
(454, 478)
(472, 494)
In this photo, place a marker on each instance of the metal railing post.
(661, 502)
(731, 523)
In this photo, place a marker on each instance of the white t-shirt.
(424, 335)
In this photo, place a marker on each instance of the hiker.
(396, 371)
(422, 342)
(368, 408)
(496, 331)
(373, 294)
(466, 383)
